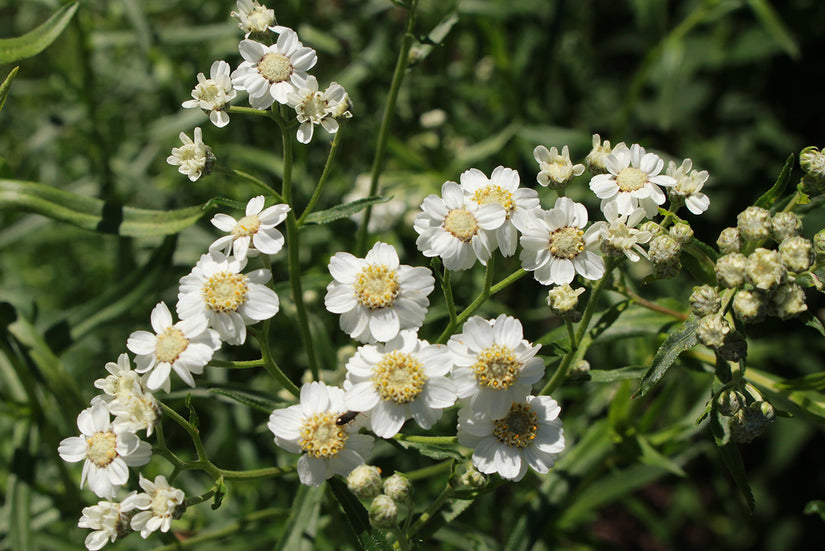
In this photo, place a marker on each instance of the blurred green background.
(734, 85)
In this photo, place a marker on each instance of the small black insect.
(346, 417)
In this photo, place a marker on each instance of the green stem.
(294, 250)
(237, 109)
(400, 540)
(271, 366)
(793, 201)
(384, 132)
(255, 473)
(324, 177)
(577, 347)
(447, 288)
(650, 305)
(441, 440)
(432, 470)
(265, 189)
(431, 510)
(245, 364)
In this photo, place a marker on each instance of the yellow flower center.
(377, 286)
(101, 448)
(207, 91)
(275, 67)
(399, 377)
(246, 226)
(461, 224)
(518, 428)
(225, 291)
(314, 107)
(495, 195)
(160, 504)
(321, 436)
(631, 179)
(496, 367)
(171, 343)
(566, 242)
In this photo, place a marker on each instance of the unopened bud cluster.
(384, 496)
(562, 300)
(747, 412)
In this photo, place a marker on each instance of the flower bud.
(595, 159)
(682, 233)
(819, 243)
(562, 300)
(383, 512)
(735, 347)
(579, 371)
(750, 306)
(764, 269)
(796, 254)
(651, 227)
(663, 249)
(705, 300)
(730, 270)
(365, 481)
(729, 241)
(729, 402)
(712, 331)
(555, 169)
(749, 422)
(473, 479)
(787, 301)
(785, 225)
(398, 487)
(668, 269)
(754, 224)
(812, 162)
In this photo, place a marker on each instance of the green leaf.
(653, 457)
(816, 507)
(4, 88)
(677, 342)
(93, 214)
(731, 456)
(433, 451)
(247, 398)
(344, 211)
(300, 528)
(614, 375)
(18, 489)
(36, 40)
(814, 381)
(698, 262)
(812, 321)
(220, 493)
(358, 518)
(769, 198)
(774, 26)
(421, 50)
(225, 202)
(608, 318)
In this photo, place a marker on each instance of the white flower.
(108, 522)
(632, 180)
(619, 235)
(216, 289)
(529, 435)
(126, 397)
(376, 296)
(494, 365)
(159, 505)
(108, 451)
(213, 94)
(555, 247)
(185, 347)
(270, 73)
(253, 233)
(457, 230)
(253, 17)
(310, 427)
(689, 185)
(501, 189)
(193, 158)
(406, 377)
(313, 107)
(555, 170)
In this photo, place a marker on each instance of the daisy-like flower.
(595, 160)
(377, 296)
(213, 94)
(632, 180)
(502, 188)
(313, 107)
(108, 451)
(159, 505)
(619, 236)
(555, 170)
(494, 365)
(185, 347)
(530, 434)
(270, 73)
(126, 398)
(311, 428)
(216, 290)
(406, 377)
(253, 17)
(253, 233)
(689, 184)
(555, 248)
(108, 521)
(457, 230)
(194, 158)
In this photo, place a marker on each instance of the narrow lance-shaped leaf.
(38, 39)
(778, 188)
(343, 211)
(4, 88)
(773, 25)
(675, 343)
(94, 214)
